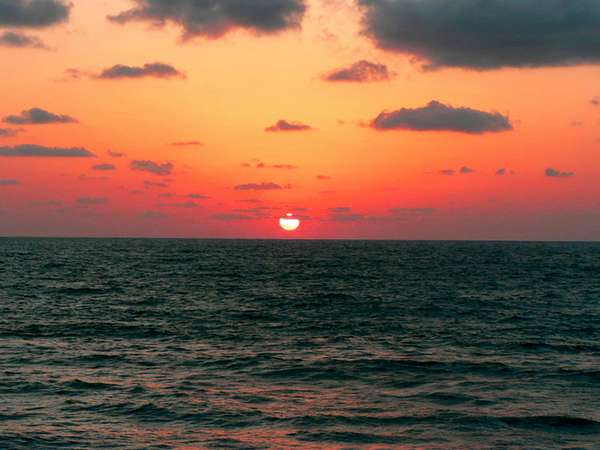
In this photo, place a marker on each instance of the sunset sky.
(387, 119)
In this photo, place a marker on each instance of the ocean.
(185, 344)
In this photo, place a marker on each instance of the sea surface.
(193, 344)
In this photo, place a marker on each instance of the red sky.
(277, 106)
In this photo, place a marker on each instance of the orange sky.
(237, 85)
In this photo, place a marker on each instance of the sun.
(289, 222)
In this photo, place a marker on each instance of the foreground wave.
(258, 344)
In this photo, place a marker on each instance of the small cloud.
(226, 217)
(186, 144)
(265, 186)
(595, 101)
(115, 154)
(340, 209)
(436, 116)
(323, 177)
(466, 170)
(576, 123)
(154, 215)
(413, 211)
(9, 182)
(153, 70)
(447, 172)
(152, 167)
(554, 173)
(91, 201)
(104, 167)
(503, 172)
(38, 151)
(168, 195)
(284, 125)
(19, 40)
(359, 72)
(9, 132)
(155, 184)
(262, 165)
(198, 196)
(186, 205)
(38, 116)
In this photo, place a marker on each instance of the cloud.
(38, 116)
(595, 101)
(153, 184)
(439, 117)
(487, 34)
(413, 211)
(154, 215)
(265, 186)
(31, 150)
(153, 70)
(9, 182)
(284, 125)
(198, 196)
(323, 177)
(262, 165)
(503, 171)
(447, 172)
(91, 201)
(115, 154)
(152, 167)
(340, 209)
(186, 144)
(19, 40)
(186, 205)
(554, 173)
(232, 217)
(9, 132)
(104, 167)
(33, 13)
(466, 170)
(215, 18)
(359, 72)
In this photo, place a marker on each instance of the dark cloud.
(152, 167)
(284, 125)
(20, 40)
(487, 34)
(413, 211)
(215, 18)
(447, 172)
(9, 132)
(92, 201)
(595, 101)
(198, 196)
(231, 217)
(555, 173)
(115, 154)
(168, 195)
(340, 209)
(359, 72)
(466, 170)
(186, 205)
(33, 13)
(265, 186)
(503, 172)
(186, 144)
(153, 184)
(104, 167)
(9, 182)
(38, 116)
(154, 70)
(439, 117)
(30, 150)
(262, 165)
(323, 177)
(154, 215)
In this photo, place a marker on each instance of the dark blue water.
(160, 344)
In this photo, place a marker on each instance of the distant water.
(160, 344)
